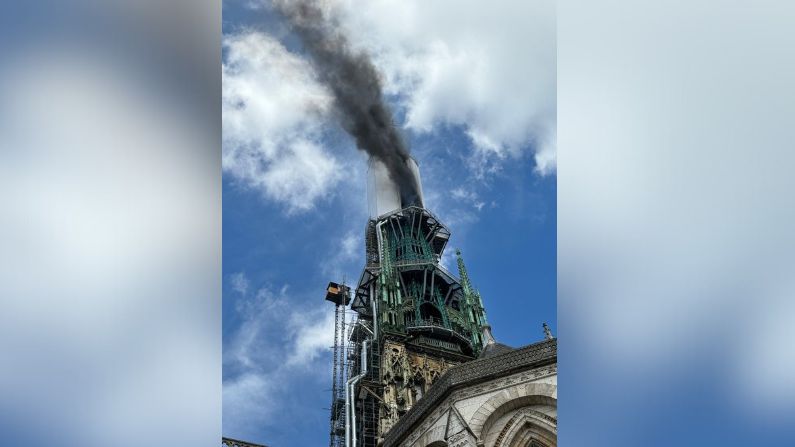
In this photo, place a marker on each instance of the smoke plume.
(356, 85)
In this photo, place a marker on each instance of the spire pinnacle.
(462, 272)
(481, 331)
(547, 332)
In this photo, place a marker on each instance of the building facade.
(509, 399)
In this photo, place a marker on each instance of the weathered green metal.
(406, 297)
(408, 245)
(462, 273)
(438, 301)
(409, 276)
(473, 302)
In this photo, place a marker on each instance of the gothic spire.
(462, 272)
(472, 296)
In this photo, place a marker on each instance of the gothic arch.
(511, 399)
(528, 427)
(432, 438)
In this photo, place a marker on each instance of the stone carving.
(461, 439)
(406, 376)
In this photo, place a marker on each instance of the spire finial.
(462, 272)
(547, 332)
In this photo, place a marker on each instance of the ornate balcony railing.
(436, 325)
(425, 322)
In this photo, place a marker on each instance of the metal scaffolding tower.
(339, 294)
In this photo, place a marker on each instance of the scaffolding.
(364, 362)
(339, 294)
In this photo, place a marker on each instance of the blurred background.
(675, 225)
(110, 223)
(675, 217)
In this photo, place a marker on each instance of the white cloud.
(247, 401)
(350, 245)
(461, 193)
(449, 260)
(239, 282)
(272, 327)
(313, 334)
(490, 68)
(469, 196)
(273, 111)
(343, 256)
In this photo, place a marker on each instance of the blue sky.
(294, 203)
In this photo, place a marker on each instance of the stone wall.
(511, 411)
(508, 400)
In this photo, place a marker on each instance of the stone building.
(507, 397)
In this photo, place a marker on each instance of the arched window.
(429, 312)
(410, 245)
(418, 388)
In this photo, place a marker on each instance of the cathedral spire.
(472, 295)
(481, 331)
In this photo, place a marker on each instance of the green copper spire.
(473, 301)
(462, 272)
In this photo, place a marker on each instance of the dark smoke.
(356, 86)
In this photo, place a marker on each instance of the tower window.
(429, 312)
